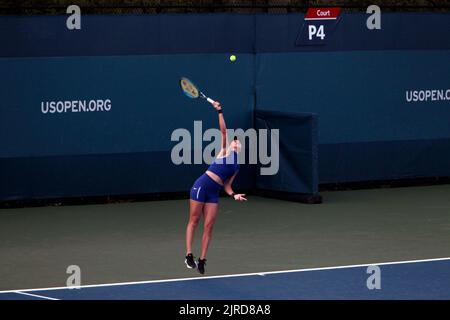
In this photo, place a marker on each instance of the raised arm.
(222, 125)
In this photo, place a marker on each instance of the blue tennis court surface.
(421, 279)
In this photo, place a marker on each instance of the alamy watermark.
(373, 22)
(189, 150)
(74, 280)
(73, 22)
(374, 280)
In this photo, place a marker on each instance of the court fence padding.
(297, 177)
(91, 112)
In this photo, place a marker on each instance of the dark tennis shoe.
(190, 261)
(201, 265)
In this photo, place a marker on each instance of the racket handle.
(210, 100)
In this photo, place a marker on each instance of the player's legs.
(195, 213)
(210, 214)
(204, 198)
(198, 196)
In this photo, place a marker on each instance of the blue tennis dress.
(206, 189)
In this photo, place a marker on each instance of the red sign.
(322, 13)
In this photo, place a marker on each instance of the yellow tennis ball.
(232, 57)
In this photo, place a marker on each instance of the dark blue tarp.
(297, 152)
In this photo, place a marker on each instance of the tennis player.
(205, 193)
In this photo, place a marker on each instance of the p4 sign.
(318, 26)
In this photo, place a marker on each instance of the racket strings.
(189, 88)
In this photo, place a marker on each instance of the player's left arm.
(229, 190)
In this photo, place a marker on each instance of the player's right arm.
(222, 127)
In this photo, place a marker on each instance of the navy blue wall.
(368, 131)
(125, 150)
(356, 84)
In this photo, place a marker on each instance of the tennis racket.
(192, 91)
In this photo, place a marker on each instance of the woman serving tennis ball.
(205, 193)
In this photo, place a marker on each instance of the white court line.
(35, 295)
(229, 275)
